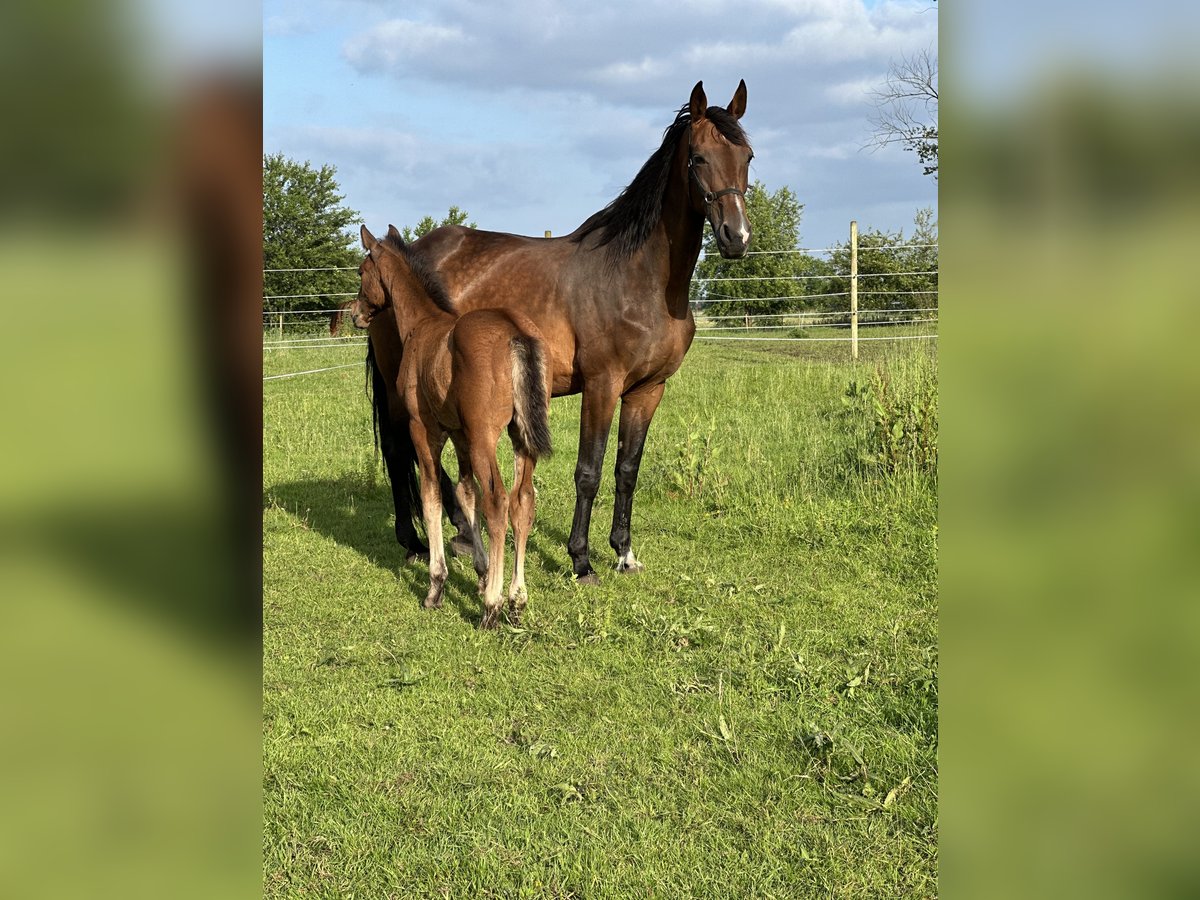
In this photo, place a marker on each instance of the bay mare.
(468, 379)
(610, 300)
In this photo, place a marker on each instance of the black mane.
(426, 277)
(626, 223)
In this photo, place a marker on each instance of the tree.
(893, 269)
(454, 216)
(305, 226)
(906, 108)
(775, 226)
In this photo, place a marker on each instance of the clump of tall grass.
(897, 407)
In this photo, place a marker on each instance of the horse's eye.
(697, 160)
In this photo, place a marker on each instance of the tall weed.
(897, 408)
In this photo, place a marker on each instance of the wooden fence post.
(547, 232)
(281, 326)
(854, 290)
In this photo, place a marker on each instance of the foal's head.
(372, 298)
(718, 168)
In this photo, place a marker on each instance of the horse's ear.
(368, 239)
(395, 235)
(699, 103)
(737, 106)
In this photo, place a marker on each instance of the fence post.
(547, 232)
(281, 326)
(854, 290)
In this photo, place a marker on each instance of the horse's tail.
(531, 402)
(399, 454)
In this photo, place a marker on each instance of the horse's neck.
(681, 230)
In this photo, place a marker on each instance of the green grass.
(754, 716)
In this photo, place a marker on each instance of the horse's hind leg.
(468, 502)
(495, 511)
(520, 504)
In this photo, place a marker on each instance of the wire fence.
(308, 329)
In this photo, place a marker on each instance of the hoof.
(488, 622)
(413, 556)
(626, 569)
(589, 578)
(516, 606)
(461, 546)
(432, 603)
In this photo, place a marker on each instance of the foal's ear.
(699, 103)
(395, 235)
(737, 106)
(368, 239)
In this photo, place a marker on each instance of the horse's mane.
(626, 223)
(426, 277)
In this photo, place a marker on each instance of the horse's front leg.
(598, 405)
(637, 409)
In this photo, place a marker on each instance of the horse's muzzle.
(732, 243)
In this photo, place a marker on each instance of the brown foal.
(468, 379)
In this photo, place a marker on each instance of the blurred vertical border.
(130, 482)
(1070, 471)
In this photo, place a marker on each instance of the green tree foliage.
(306, 226)
(454, 216)
(887, 287)
(775, 223)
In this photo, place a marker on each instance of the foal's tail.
(530, 398)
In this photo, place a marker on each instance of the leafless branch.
(906, 108)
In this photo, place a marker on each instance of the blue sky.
(532, 114)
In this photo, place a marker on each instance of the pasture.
(753, 716)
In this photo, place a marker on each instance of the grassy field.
(754, 716)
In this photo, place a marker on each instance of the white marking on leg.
(629, 563)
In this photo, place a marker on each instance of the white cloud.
(594, 87)
(287, 26)
(853, 93)
(394, 42)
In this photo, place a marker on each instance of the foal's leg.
(461, 543)
(429, 451)
(598, 404)
(637, 409)
(495, 511)
(468, 501)
(520, 506)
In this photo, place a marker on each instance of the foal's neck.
(411, 305)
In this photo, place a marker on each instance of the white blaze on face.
(743, 230)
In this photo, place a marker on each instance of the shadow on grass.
(191, 566)
(358, 514)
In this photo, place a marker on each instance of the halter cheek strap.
(709, 196)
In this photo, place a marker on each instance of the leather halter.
(709, 196)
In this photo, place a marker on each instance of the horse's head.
(718, 168)
(372, 298)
